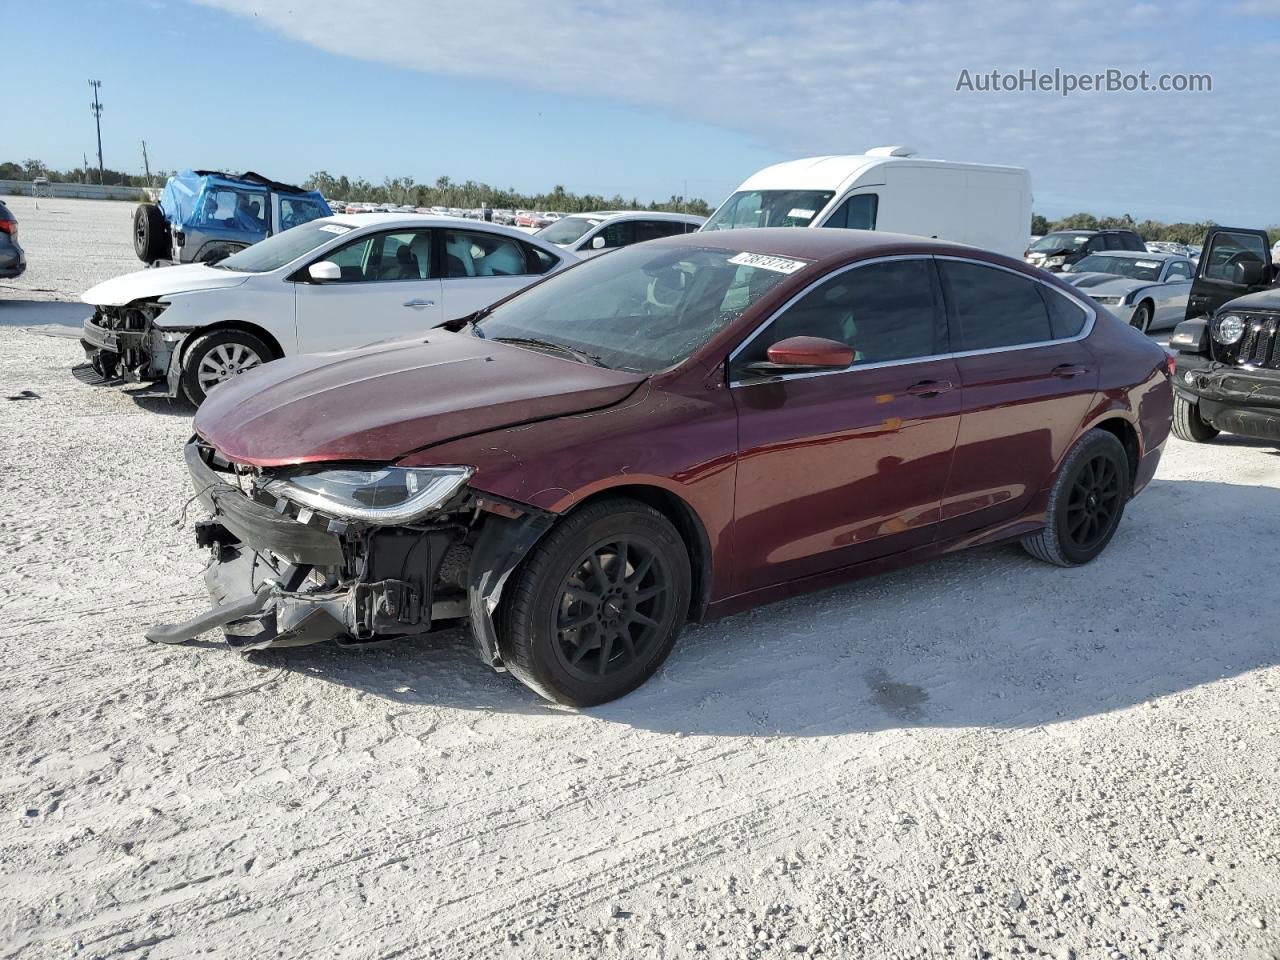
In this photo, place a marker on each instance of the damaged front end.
(125, 343)
(350, 553)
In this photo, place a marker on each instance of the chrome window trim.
(1091, 316)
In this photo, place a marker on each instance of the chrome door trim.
(1091, 316)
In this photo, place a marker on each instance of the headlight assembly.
(1055, 261)
(1228, 329)
(386, 495)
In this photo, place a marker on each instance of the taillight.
(10, 227)
(1171, 363)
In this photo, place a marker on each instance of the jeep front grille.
(1260, 347)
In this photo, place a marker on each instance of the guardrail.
(85, 191)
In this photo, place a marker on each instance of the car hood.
(1268, 299)
(382, 402)
(1105, 284)
(156, 282)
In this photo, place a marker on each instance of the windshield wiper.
(537, 344)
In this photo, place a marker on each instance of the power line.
(96, 108)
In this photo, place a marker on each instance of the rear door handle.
(1069, 370)
(930, 388)
(419, 303)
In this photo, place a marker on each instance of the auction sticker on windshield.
(1148, 263)
(337, 228)
(765, 262)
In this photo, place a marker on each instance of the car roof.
(820, 244)
(388, 221)
(1140, 255)
(647, 214)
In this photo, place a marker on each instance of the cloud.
(824, 76)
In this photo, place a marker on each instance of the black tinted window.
(884, 311)
(856, 213)
(619, 234)
(1134, 242)
(1114, 242)
(653, 229)
(539, 261)
(1229, 252)
(1066, 319)
(994, 308)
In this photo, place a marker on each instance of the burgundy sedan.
(683, 429)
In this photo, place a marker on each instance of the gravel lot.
(983, 756)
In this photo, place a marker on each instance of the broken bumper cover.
(283, 577)
(1242, 400)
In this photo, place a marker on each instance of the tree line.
(471, 194)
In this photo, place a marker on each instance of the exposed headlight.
(1228, 329)
(387, 495)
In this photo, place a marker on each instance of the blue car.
(204, 216)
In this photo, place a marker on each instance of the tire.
(1085, 504)
(215, 357)
(1141, 318)
(150, 233)
(580, 629)
(1188, 425)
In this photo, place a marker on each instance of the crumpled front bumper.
(1243, 400)
(137, 355)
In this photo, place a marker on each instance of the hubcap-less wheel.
(223, 362)
(1094, 502)
(613, 608)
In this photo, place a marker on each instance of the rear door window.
(1066, 317)
(473, 253)
(993, 308)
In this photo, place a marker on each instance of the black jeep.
(1227, 377)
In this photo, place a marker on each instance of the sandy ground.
(984, 756)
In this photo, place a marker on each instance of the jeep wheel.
(1188, 425)
(1141, 318)
(596, 607)
(1085, 504)
(150, 233)
(219, 356)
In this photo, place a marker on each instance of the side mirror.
(325, 271)
(797, 354)
(597, 243)
(1251, 273)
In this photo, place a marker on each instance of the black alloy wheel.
(1094, 502)
(613, 607)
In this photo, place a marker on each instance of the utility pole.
(146, 165)
(97, 119)
(84, 171)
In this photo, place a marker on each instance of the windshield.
(285, 247)
(1061, 241)
(640, 308)
(769, 208)
(1120, 266)
(568, 230)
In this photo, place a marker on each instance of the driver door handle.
(419, 303)
(930, 388)
(1069, 370)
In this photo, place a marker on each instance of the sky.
(650, 98)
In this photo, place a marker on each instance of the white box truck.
(889, 189)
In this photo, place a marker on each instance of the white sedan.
(590, 234)
(329, 284)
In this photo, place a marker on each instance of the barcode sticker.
(765, 262)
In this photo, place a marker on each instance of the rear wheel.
(217, 357)
(150, 233)
(1188, 425)
(1141, 318)
(1085, 504)
(597, 606)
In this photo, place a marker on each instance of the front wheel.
(1141, 319)
(597, 606)
(1188, 425)
(214, 358)
(1085, 504)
